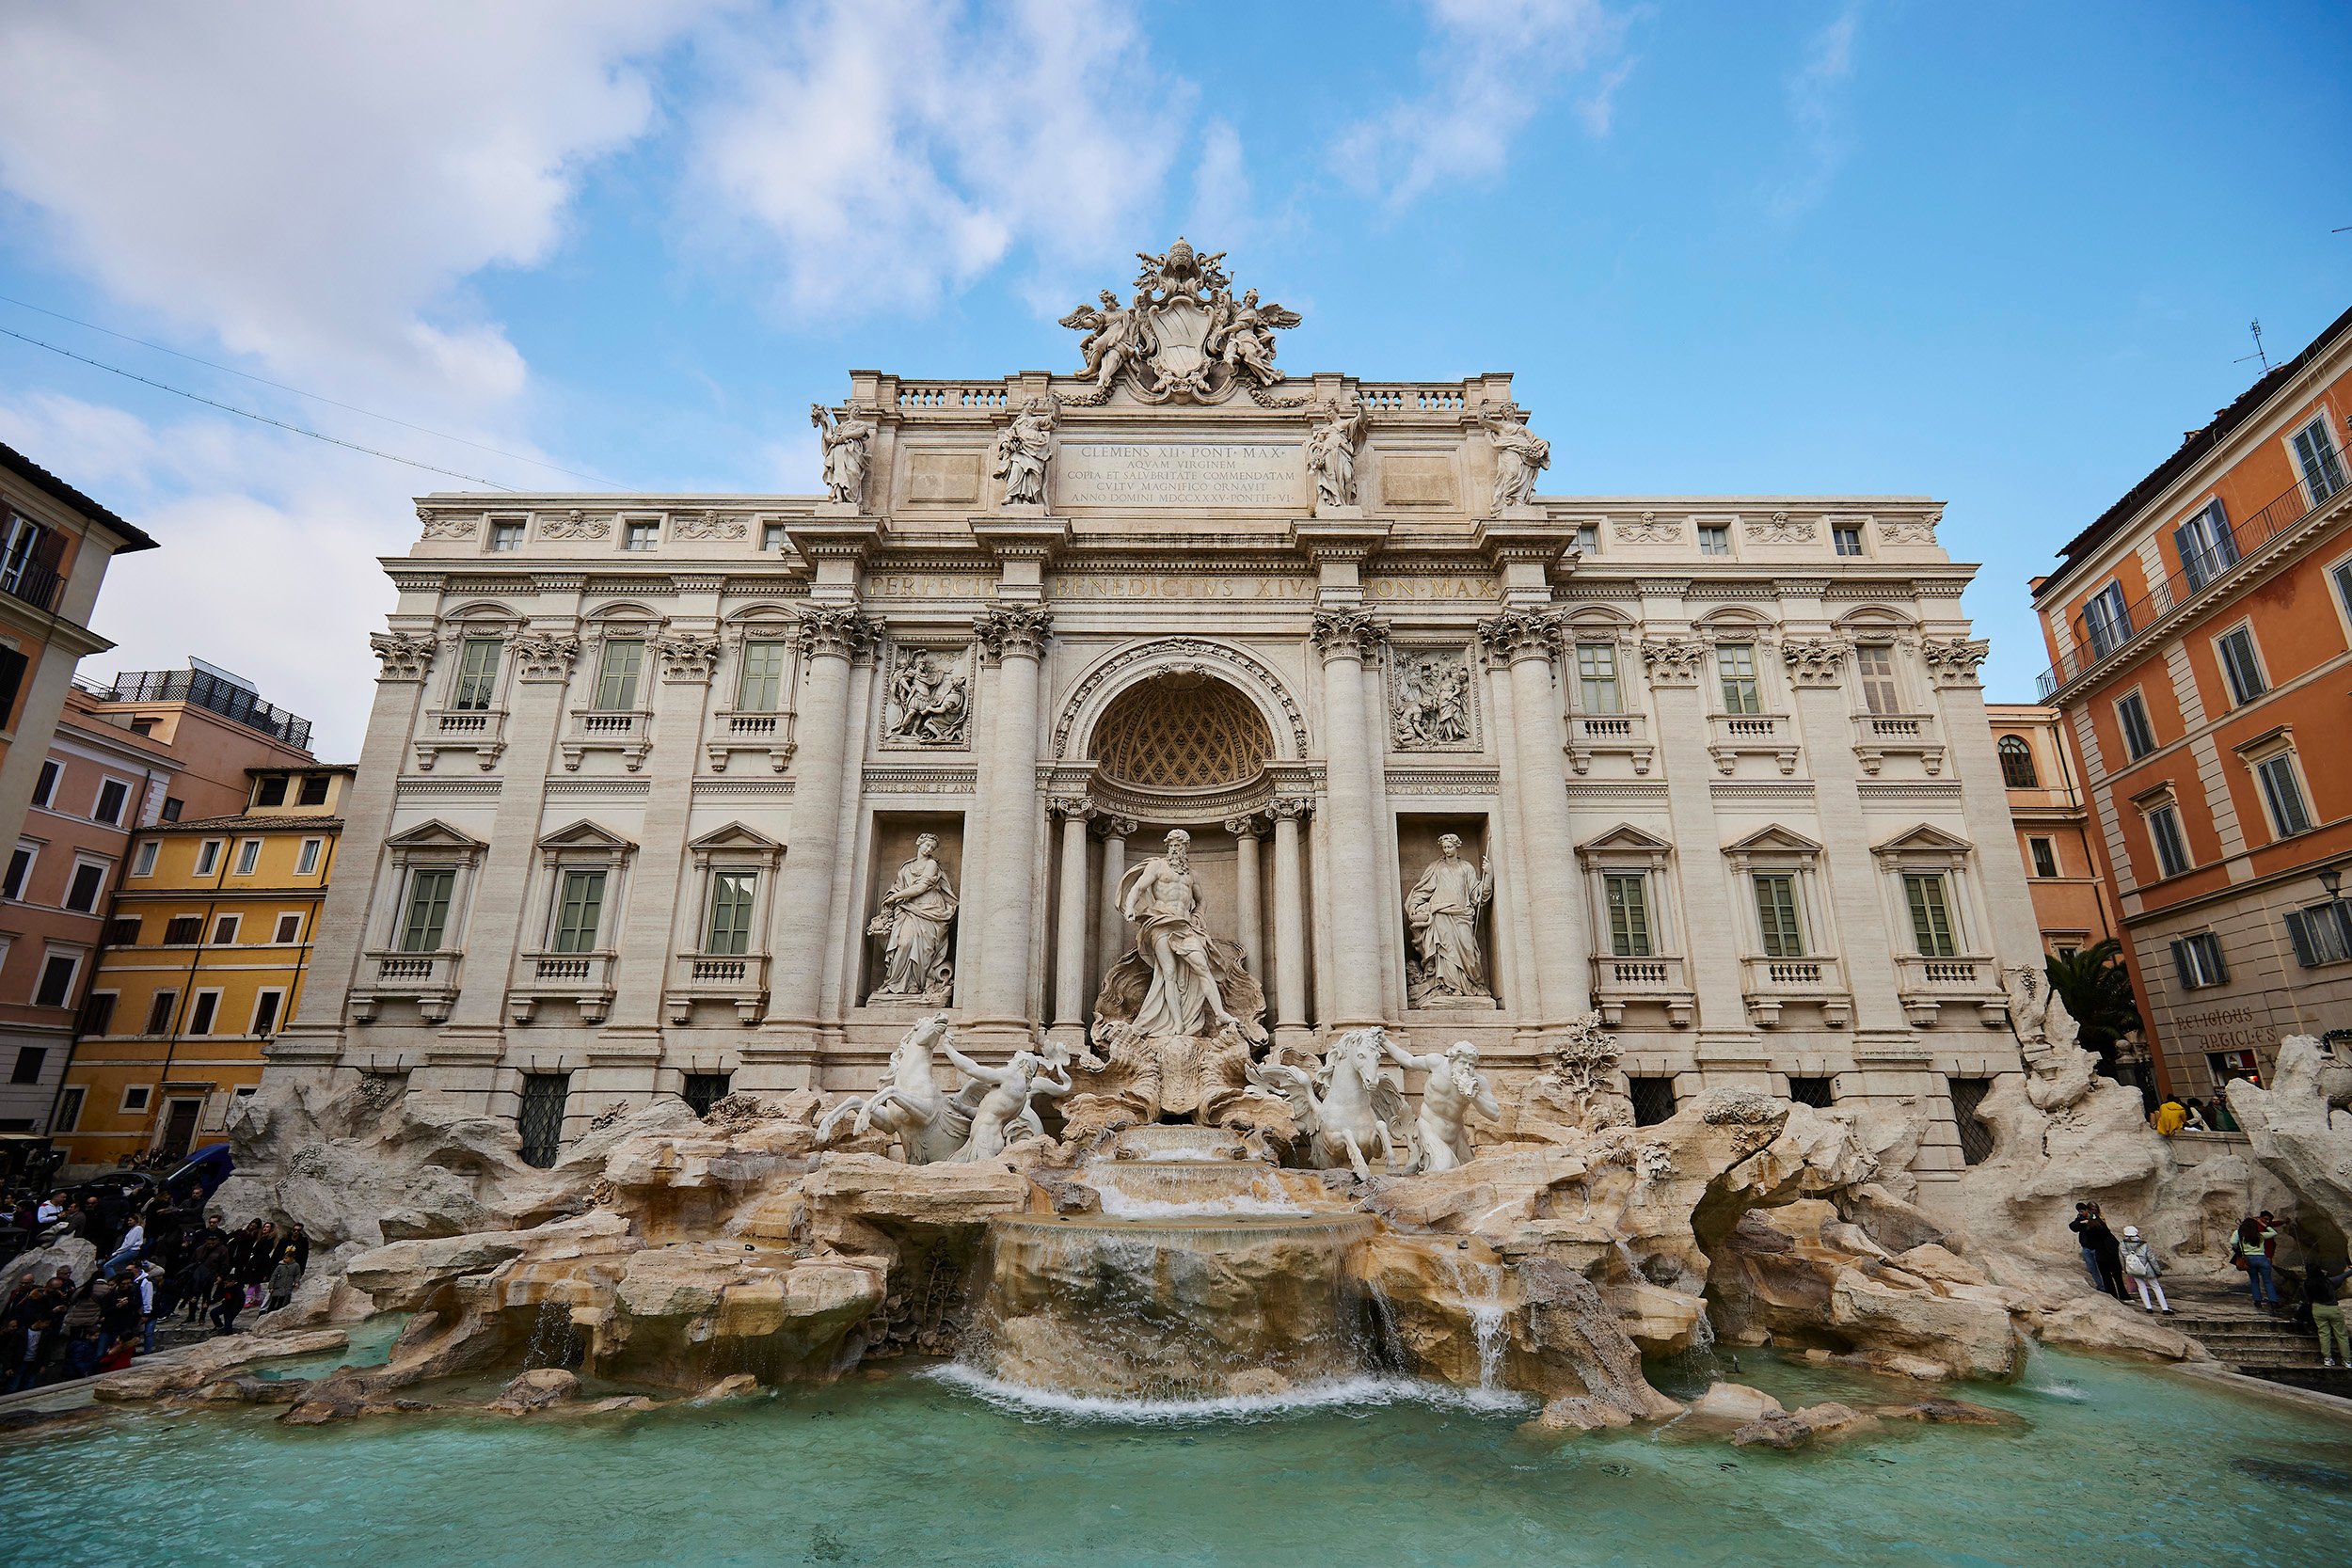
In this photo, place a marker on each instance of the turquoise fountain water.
(2115, 1465)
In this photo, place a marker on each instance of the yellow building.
(204, 958)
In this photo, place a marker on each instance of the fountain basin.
(1162, 1188)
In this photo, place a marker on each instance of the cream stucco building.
(643, 772)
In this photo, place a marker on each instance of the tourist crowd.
(158, 1257)
(2176, 1115)
(2310, 1297)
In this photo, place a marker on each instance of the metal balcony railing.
(2097, 642)
(32, 582)
(237, 704)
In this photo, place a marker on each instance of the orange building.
(2201, 633)
(2072, 905)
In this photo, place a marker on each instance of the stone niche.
(893, 841)
(1417, 835)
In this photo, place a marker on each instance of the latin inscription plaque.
(1178, 474)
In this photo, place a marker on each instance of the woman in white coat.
(2141, 1267)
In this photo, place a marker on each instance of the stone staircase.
(2260, 1344)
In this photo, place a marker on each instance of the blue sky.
(2003, 255)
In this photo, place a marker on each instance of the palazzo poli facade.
(669, 794)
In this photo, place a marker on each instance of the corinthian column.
(1111, 944)
(1012, 638)
(1526, 642)
(1345, 637)
(1289, 920)
(830, 637)
(1070, 932)
(1245, 831)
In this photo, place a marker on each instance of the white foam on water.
(1030, 1403)
(1121, 1205)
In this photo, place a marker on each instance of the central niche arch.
(1181, 731)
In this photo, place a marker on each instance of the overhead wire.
(315, 397)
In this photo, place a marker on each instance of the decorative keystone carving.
(1010, 631)
(1909, 530)
(543, 655)
(1953, 660)
(406, 656)
(449, 525)
(1815, 661)
(574, 524)
(688, 655)
(1674, 660)
(1517, 634)
(837, 631)
(1348, 633)
(702, 526)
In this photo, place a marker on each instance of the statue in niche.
(1452, 1090)
(845, 440)
(1430, 707)
(1441, 915)
(930, 699)
(913, 922)
(1519, 456)
(1176, 1017)
(1332, 454)
(1023, 450)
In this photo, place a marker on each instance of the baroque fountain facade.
(1181, 882)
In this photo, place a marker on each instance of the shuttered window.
(2207, 547)
(477, 674)
(1777, 916)
(1628, 915)
(1734, 663)
(2282, 795)
(731, 911)
(616, 678)
(579, 913)
(762, 688)
(1876, 661)
(2197, 960)
(422, 928)
(2105, 621)
(2242, 671)
(1596, 678)
(2164, 832)
(1930, 919)
(2323, 472)
(2321, 934)
(2131, 714)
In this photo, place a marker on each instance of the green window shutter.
(580, 911)
(1776, 916)
(428, 911)
(2300, 936)
(761, 689)
(1930, 919)
(1628, 917)
(616, 683)
(730, 912)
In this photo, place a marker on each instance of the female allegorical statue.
(915, 916)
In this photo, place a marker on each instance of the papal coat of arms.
(1183, 337)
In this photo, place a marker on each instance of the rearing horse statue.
(929, 1125)
(1346, 1106)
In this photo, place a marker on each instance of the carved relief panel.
(926, 702)
(1431, 706)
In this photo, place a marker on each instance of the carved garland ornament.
(1910, 530)
(1649, 530)
(1179, 653)
(574, 524)
(449, 525)
(1782, 530)
(694, 527)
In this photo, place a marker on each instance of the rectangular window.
(2164, 832)
(1847, 539)
(2344, 585)
(56, 980)
(641, 536)
(69, 1109)
(98, 1014)
(1930, 917)
(46, 785)
(134, 1098)
(1734, 662)
(1596, 678)
(313, 790)
(1653, 1100)
(2282, 796)
(616, 678)
(1628, 915)
(112, 797)
(20, 867)
(1876, 661)
(183, 930)
(173, 806)
(1975, 1138)
(731, 911)
(1820, 1093)
(2239, 667)
(2315, 450)
(2321, 934)
(289, 927)
(225, 929)
(2198, 961)
(703, 1090)
(123, 931)
(505, 537)
(2207, 547)
(2131, 716)
(2044, 853)
(2106, 622)
(541, 1120)
(579, 913)
(143, 860)
(421, 927)
(1714, 539)
(159, 1012)
(200, 1014)
(208, 857)
(306, 858)
(771, 537)
(29, 1060)
(81, 895)
(761, 689)
(1588, 538)
(265, 1012)
(477, 674)
(249, 856)
(272, 791)
(1777, 916)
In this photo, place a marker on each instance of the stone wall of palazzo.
(660, 792)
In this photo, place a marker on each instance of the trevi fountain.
(1442, 1197)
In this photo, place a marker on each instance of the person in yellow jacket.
(2170, 1117)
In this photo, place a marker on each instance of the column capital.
(1071, 808)
(1517, 634)
(405, 654)
(838, 631)
(543, 655)
(1674, 660)
(1112, 826)
(1010, 631)
(1953, 660)
(688, 655)
(1242, 827)
(1349, 634)
(1289, 808)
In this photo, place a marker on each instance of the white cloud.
(311, 183)
(1491, 65)
(884, 153)
(1815, 103)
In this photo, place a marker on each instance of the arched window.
(2017, 763)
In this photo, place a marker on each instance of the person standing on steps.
(2145, 1271)
(2321, 1289)
(2249, 1249)
(2080, 1225)
(2107, 1252)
